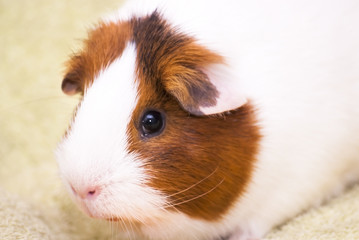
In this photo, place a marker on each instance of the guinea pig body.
(206, 120)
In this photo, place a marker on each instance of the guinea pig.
(213, 119)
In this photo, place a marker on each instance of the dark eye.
(152, 123)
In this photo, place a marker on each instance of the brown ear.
(207, 90)
(70, 87)
(73, 80)
(192, 89)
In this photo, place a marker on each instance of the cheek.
(112, 186)
(202, 164)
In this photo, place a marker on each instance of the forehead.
(166, 59)
(151, 36)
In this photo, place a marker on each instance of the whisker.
(125, 227)
(192, 186)
(115, 226)
(32, 101)
(132, 233)
(111, 227)
(199, 196)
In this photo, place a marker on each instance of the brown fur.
(103, 46)
(203, 164)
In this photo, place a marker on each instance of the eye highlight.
(152, 123)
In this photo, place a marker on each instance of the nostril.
(85, 192)
(92, 193)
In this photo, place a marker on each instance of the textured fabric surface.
(36, 38)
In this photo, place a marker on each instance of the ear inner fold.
(231, 93)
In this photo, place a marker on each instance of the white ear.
(230, 92)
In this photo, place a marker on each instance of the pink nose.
(86, 192)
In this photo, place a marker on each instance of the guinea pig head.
(141, 142)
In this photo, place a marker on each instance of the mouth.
(115, 219)
(91, 212)
(83, 206)
(122, 223)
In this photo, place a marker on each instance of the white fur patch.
(94, 154)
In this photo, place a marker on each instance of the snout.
(86, 192)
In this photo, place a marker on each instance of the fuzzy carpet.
(36, 38)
